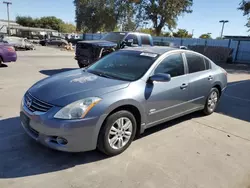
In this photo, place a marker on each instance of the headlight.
(78, 109)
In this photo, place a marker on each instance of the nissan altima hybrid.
(107, 104)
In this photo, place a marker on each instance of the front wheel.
(212, 101)
(117, 133)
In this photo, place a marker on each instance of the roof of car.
(152, 49)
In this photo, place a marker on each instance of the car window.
(124, 65)
(195, 63)
(207, 64)
(172, 65)
(132, 36)
(145, 40)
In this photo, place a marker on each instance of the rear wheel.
(212, 101)
(117, 133)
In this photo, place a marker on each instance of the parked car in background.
(18, 43)
(105, 105)
(54, 42)
(87, 52)
(7, 53)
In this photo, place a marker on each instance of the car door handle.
(184, 86)
(210, 77)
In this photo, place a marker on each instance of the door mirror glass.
(160, 77)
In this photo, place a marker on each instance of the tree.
(25, 21)
(96, 15)
(68, 28)
(245, 7)
(206, 36)
(49, 22)
(182, 33)
(163, 12)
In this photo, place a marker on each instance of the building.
(28, 32)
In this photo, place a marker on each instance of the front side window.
(173, 65)
(195, 63)
(123, 65)
(133, 37)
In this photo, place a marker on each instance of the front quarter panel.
(132, 95)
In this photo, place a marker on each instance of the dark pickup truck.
(87, 52)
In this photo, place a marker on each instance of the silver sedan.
(105, 105)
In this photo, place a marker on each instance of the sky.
(204, 18)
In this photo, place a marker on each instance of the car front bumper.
(10, 58)
(81, 135)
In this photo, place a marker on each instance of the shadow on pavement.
(51, 72)
(3, 65)
(235, 101)
(21, 156)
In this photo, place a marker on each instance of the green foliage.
(206, 36)
(68, 28)
(163, 13)
(49, 22)
(147, 31)
(182, 33)
(245, 7)
(97, 15)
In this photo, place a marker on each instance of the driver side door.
(166, 100)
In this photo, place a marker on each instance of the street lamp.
(222, 29)
(8, 3)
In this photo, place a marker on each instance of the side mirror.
(160, 77)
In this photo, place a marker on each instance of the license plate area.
(26, 123)
(25, 119)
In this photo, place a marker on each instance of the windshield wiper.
(103, 74)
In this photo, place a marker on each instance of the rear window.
(145, 40)
(195, 63)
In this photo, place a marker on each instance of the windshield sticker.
(148, 54)
(122, 33)
(84, 79)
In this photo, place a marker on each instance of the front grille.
(35, 105)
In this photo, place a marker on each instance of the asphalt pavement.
(192, 151)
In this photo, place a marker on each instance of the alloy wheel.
(212, 100)
(120, 133)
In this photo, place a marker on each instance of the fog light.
(61, 141)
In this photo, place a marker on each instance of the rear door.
(199, 78)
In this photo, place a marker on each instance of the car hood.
(101, 43)
(65, 88)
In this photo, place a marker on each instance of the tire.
(105, 136)
(211, 103)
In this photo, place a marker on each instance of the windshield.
(124, 65)
(114, 37)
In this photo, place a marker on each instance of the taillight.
(11, 49)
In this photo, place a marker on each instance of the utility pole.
(8, 3)
(192, 32)
(222, 29)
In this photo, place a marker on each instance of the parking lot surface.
(192, 151)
